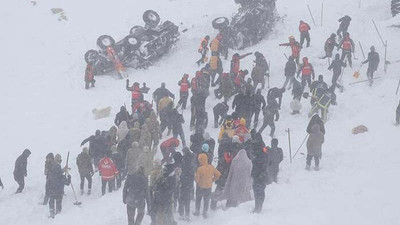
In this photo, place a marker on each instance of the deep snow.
(46, 109)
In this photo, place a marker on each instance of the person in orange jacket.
(295, 46)
(347, 46)
(184, 85)
(235, 63)
(304, 34)
(205, 175)
(107, 170)
(307, 70)
(203, 49)
(89, 76)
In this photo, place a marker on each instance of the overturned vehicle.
(139, 49)
(250, 25)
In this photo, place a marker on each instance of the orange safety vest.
(346, 45)
(215, 45)
(306, 71)
(295, 49)
(184, 86)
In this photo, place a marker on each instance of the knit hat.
(205, 148)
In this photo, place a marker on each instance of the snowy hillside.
(45, 108)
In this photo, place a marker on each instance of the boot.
(89, 192)
(316, 168)
(196, 213)
(82, 192)
(205, 216)
(307, 167)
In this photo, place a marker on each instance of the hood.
(136, 125)
(202, 159)
(274, 143)
(337, 56)
(26, 153)
(315, 128)
(123, 125)
(122, 109)
(146, 149)
(50, 157)
(57, 158)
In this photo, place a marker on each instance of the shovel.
(357, 73)
(72, 186)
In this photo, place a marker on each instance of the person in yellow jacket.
(206, 174)
(164, 102)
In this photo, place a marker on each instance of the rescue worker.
(220, 111)
(318, 88)
(295, 46)
(136, 91)
(347, 46)
(260, 70)
(235, 62)
(290, 71)
(337, 66)
(215, 61)
(160, 93)
(203, 49)
(373, 63)
(304, 34)
(307, 72)
(330, 44)
(184, 85)
(323, 103)
(344, 26)
(89, 76)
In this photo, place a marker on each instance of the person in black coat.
(97, 147)
(196, 141)
(47, 167)
(260, 177)
(270, 113)
(122, 115)
(220, 111)
(244, 105)
(163, 192)
(197, 107)
(119, 161)
(330, 44)
(188, 167)
(316, 120)
(160, 93)
(373, 63)
(273, 94)
(20, 170)
(344, 26)
(290, 71)
(56, 182)
(177, 129)
(337, 66)
(317, 89)
(297, 90)
(211, 146)
(275, 157)
(259, 103)
(135, 195)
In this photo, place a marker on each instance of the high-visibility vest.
(346, 45)
(325, 101)
(306, 70)
(304, 27)
(184, 86)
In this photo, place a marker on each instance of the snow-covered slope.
(45, 108)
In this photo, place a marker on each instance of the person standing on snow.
(89, 76)
(108, 171)
(398, 114)
(323, 103)
(259, 173)
(119, 162)
(260, 104)
(290, 71)
(20, 170)
(85, 168)
(235, 62)
(330, 44)
(270, 112)
(273, 94)
(295, 46)
(260, 70)
(314, 146)
(318, 88)
(307, 72)
(186, 183)
(373, 63)
(184, 85)
(122, 115)
(205, 175)
(160, 93)
(220, 111)
(238, 184)
(337, 65)
(203, 49)
(135, 195)
(304, 33)
(96, 146)
(275, 157)
(47, 167)
(347, 45)
(56, 182)
(344, 26)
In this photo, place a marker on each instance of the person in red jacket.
(203, 49)
(241, 131)
(107, 170)
(347, 46)
(89, 76)
(184, 85)
(307, 71)
(235, 63)
(168, 148)
(295, 46)
(304, 34)
(196, 83)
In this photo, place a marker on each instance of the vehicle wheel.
(137, 30)
(132, 41)
(151, 18)
(220, 23)
(395, 7)
(105, 41)
(91, 56)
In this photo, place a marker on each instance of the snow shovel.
(357, 73)
(72, 186)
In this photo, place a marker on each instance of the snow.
(46, 109)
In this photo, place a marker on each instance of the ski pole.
(309, 10)
(362, 50)
(301, 145)
(361, 81)
(290, 146)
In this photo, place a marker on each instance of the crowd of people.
(238, 162)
